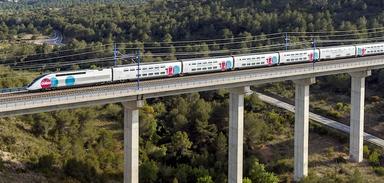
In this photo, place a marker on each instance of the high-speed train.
(132, 72)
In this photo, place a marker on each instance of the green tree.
(258, 174)
(180, 144)
(205, 179)
(148, 171)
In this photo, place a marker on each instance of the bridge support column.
(236, 131)
(131, 141)
(301, 127)
(357, 115)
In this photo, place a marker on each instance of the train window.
(132, 69)
(199, 63)
(288, 60)
(242, 64)
(157, 73)
(199, 69)
(254, 63)
(150, 68)
(248, 63)
(209, 62)
(126, 70)
(162, 72)
(144, 74)
(138, 75)
(193, 63)
(156, 67)
(215, 67)
(162, 66)
(204, 68)
(210, 68)
(193, 69)
(73, 73)
(150, 74)
(144, 68)
(205, 63)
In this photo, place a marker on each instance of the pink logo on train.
(223, 66)
(170, 71)
(45, 83)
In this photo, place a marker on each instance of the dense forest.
(153, 27)
(182, 138)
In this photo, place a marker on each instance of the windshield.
(36, 79)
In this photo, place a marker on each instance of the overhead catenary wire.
(196, 41)
(207, 40)
(146, 48)
(63, 63)
(203, 40)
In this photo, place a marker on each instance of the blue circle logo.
(176, 70)
(229, 64)
(274, 60)
(316, 55)
(54, 82)
(70, 81)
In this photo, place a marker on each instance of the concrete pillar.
(131, 141)
(301, 127)
(357, 115)
(236, 131)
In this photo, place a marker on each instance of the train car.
(147, 70)
(337, 52)
(297, 56)
(369, 49)
(192, 66)
(70, 79)
(256, 60)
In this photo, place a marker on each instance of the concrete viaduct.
(237, 82)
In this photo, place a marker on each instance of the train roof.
(205, 58)
(145, 63)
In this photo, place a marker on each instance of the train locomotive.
(175, 68)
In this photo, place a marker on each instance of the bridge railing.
(125, 91)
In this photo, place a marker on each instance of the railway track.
(133, 85)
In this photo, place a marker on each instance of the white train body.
(336, 52)
(198, 66)
(369, 49)
(147, 71)
(296, 56)
(247, 61)
(193, 66)
(71, 79)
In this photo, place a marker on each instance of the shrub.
(247, 180)
(373, 159)
(81, 171)
(284, 165)
(205, 179)
(357, 177)
(45, 163)
(379, 170)
(366, 151)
